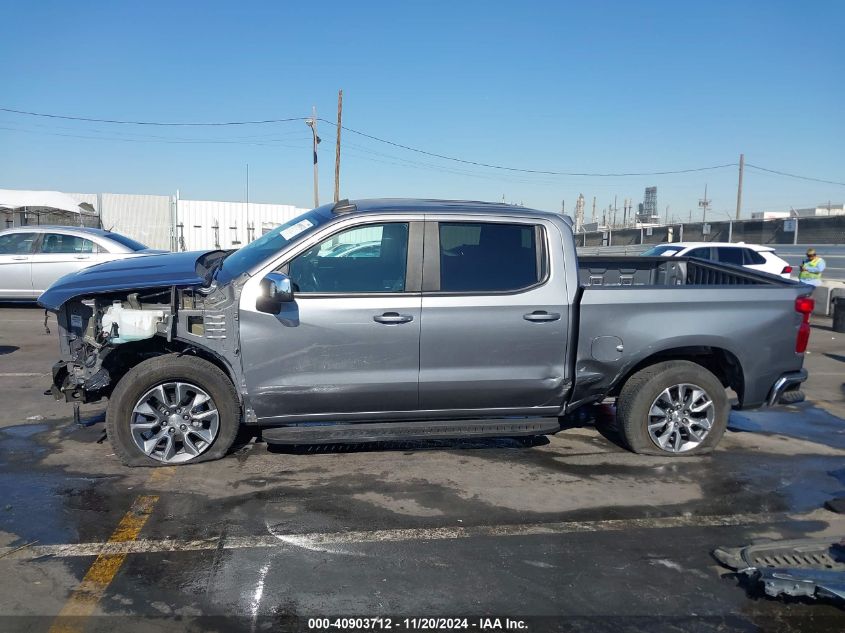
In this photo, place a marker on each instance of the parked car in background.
(33, 257)
(754, 256)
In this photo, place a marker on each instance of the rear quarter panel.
(757, 324)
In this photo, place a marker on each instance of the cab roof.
(427, 205)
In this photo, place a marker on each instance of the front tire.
(172, 410)
(672, 408)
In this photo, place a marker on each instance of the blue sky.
(580, 87)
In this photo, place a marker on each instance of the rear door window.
(16, 243)
(488, 257)
(59, 243)
(730, 255)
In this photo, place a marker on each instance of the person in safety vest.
(811, 268)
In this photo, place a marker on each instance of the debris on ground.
(811, 568)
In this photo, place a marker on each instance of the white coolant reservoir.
(132, 324)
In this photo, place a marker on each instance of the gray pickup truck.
(380, 320)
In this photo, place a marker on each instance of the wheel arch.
(721, 362)
(123, 357)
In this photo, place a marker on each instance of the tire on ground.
(154, 371)
(640, 391)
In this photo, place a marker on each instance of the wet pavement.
(572, 533)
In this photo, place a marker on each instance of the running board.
(365, 432)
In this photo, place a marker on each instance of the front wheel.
(172, 410)
(672, 408)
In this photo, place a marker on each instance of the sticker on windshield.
(292, 231)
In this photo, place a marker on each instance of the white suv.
(752, 256)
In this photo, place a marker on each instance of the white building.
(169, 222)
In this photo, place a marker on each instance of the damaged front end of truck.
(113, 316)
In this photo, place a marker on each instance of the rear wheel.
(172, 410)
(672, 408)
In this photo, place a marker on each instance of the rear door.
(59, 254)
(16, 265)
(494, 318)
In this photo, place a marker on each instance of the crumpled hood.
(134, 273)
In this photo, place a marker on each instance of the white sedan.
(33, 257)
(752, 256)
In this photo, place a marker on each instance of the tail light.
(804, 306)
(786, 270)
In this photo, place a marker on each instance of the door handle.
(20, 259)
(392, 318)
(82, 257)
(541, 315)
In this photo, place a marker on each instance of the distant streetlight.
(312, 123)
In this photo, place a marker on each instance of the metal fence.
(812, 230)
(825, 234)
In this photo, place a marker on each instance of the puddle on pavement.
(34, 502)
(803, 422)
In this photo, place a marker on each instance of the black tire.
(640, 391)
(161, 369)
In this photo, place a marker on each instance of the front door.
(494, 319)
(348, 345)
(16, 265)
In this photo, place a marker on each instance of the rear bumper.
(785, 383)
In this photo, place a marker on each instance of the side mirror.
(276, 289)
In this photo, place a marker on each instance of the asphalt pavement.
(572, 532)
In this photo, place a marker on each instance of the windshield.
(251, 255)
(664, 250)
(127, 242)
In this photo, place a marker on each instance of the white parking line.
(21, 375)
(312, 540)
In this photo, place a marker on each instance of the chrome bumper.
(789, 379)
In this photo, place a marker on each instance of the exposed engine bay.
(104, 336)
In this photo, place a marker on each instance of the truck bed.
(667, 271)
(634, 307)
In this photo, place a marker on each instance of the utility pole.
(704, 204)
(337, 147)
(593, 219)
(614, 211)
(739, 186)
(667, 215)
(312, 123)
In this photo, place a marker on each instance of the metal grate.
(215, 326)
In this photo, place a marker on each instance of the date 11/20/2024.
(418, 624)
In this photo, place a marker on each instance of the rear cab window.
(490, 256)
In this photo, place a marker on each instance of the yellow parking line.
(84, 599)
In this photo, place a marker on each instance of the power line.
(157, 123)
(418, 150)
(528, 171)
(783, 173)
